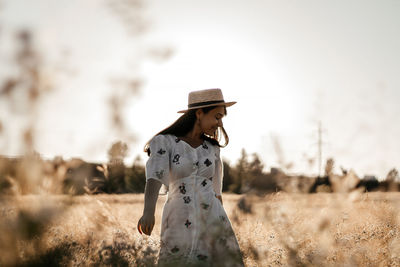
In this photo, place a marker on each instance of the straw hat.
(206, 98)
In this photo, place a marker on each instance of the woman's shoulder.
(163, 138)
(167, 140)
(161, 142)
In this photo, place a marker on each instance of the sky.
(289, 65)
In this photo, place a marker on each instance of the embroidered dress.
(195, 228)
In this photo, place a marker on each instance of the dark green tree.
(117, 153)
(135, 178)
(116, 168)
(239, 173)
(228, 178)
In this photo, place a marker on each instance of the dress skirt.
(195, 228)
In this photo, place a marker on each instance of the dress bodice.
(173, 161)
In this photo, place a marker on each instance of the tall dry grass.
(273, 230)
(321, 230)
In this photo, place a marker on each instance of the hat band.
(205, 103)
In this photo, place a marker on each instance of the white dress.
(195, 228)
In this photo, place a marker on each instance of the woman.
(185, 157)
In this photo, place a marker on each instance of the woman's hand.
(146, 224)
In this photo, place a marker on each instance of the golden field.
(280, 229)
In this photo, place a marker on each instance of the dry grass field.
(274, 230)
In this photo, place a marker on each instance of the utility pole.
(320, 143)
(319, 148)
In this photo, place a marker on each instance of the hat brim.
(226, 104)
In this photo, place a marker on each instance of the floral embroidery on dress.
(161, 151)
(160, 174)
(175, 249)
(186, 199)
(204, 183)
(205, 206)
(176, 159)
(187, 223)
(205, 146)
(207, 162)
(182, 188)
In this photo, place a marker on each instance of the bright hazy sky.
(288, 64)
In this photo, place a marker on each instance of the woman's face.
(210, 121)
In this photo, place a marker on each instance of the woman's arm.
(146, 222)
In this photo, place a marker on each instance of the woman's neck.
(195, 135)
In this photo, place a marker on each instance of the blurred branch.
(130, 12)
(24, 89)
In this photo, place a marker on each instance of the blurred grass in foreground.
(278, 230)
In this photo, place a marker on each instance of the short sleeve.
(157, 166)
(219, 172)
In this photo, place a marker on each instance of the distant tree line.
(32, 174)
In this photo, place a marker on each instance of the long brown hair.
(185, 124)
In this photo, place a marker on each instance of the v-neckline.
(180, 139)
